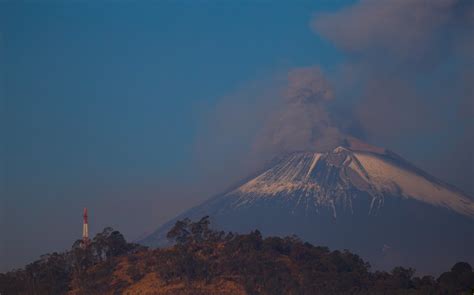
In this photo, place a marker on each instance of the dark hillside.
(204, 261)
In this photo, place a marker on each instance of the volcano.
(356, 196)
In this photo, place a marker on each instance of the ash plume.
(409, 74)
(303, 121)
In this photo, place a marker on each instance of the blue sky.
(84, 78)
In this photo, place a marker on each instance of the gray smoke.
(409, 75)
(410, 59)
(303, 121)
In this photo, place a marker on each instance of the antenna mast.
(85, 230)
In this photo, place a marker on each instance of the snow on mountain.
(337, 177)
(390, 178)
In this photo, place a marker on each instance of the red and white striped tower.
(85, 229)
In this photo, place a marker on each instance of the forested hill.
(204, 261)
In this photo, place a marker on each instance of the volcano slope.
(356, 197)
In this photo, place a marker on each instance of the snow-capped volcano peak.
(355, 196)
(334, 179)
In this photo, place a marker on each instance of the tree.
(185, 232)
(459, 279)
(461, 267)
(116, 244)
(403, 277)
(99, 243)
(180, 231)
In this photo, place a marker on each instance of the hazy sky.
(139, 110)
